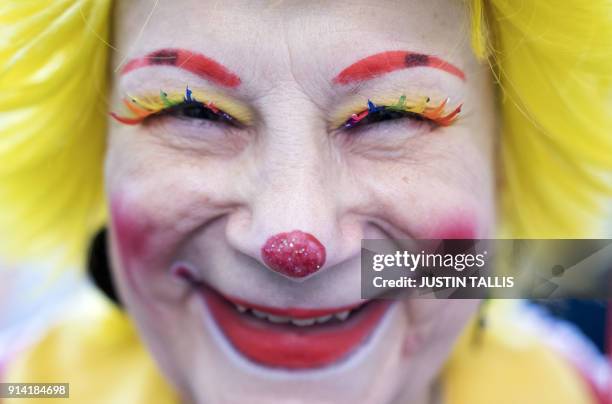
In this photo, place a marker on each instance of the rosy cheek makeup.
(295, 254)
(456, 226)
(132, 239)
(130, 233)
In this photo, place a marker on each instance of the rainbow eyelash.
(421, 109)
(141, 108)
(138, 109)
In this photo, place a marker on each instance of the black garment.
(98, 266)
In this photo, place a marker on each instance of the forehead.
(293, 39)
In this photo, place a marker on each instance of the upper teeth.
(343, 315)
(302, 322)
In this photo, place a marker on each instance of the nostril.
(295, 254)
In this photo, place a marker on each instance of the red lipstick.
(295, 254)
(291, 346)
(290, 338)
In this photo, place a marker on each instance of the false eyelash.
(434, 114)
(141, 110)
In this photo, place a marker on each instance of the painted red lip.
(287, 345)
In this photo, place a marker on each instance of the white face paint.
(194, 201)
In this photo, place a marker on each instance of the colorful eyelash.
(143, 108)
(422, 109)
(138, 109)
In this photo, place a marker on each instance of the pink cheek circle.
(131, 232)
(456, 227)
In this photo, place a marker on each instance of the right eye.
(196, 110)
(187, 108)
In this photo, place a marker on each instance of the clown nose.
(295, 254)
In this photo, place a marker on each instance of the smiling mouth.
(292, 338)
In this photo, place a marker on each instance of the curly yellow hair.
(552, 60)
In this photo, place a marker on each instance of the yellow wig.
(552, 59)
(53, 81)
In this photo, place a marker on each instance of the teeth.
(324, 319)
(303, 322)
(300, 322)
(278, 319)
(342, 315)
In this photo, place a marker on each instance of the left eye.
(381, 114)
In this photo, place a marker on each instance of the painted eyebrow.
(193, 62)
(385, 62)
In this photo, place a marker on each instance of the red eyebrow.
(385, 62)
(196, 63)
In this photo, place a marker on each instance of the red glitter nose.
(295, 254)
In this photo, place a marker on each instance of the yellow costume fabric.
(511, 364)
(98, 352)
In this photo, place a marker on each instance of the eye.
(198, 111)
(422, 112)
(188, 108)
(381, 115)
